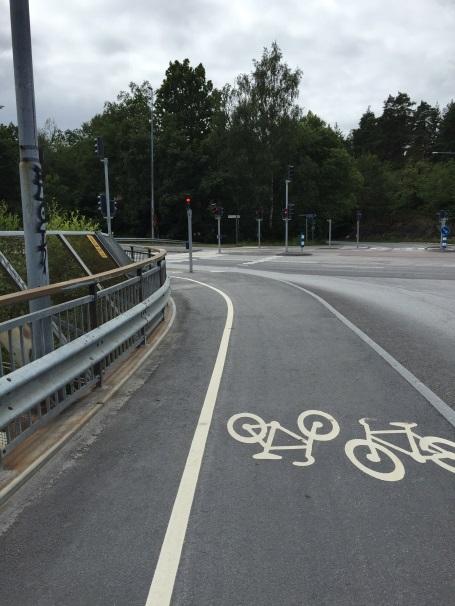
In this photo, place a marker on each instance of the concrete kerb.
(17, 473)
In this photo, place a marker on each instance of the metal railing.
(51, 357)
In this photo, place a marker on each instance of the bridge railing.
(53, 356)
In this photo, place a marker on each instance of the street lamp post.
(30, 172)
(152, 185)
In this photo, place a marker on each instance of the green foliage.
(71, 220)
(232, 146)
(8, 220)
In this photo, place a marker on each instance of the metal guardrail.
(83, 336)
(151, 241)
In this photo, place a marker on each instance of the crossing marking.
(162, 586)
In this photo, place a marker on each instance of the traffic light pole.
(190, 237)
(259, 232)
(218, 219)
(330, 232)
(286, 219)
(108, 200)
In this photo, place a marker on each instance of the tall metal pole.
(190, 237)
(286, 219)
(219, 233)
(358, 232)
(259, 232)
(306, 229)
(152, 186)
(30, 173)
(31, 178)
(330, 232)
(108, 200)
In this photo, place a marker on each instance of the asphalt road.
(341, 529)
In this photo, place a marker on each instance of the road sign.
(445, 230)
(233, 216)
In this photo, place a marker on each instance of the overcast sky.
(353, 53)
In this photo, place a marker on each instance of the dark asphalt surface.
(88, 528)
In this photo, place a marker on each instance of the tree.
(185, 109)
(9, 167)
(446, 136)
(395, 127)
(424, 131)
(264, 111)
(365, 139)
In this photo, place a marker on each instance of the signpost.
(444, 229)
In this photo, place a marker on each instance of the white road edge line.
(444, 409)
(162, 586)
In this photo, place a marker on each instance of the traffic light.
(102, 207)
(113, 207)
(285, 214)
(259, 214)
(188, 201)
(99, 147)
(291, 208)
(359, 215)
(290, 172)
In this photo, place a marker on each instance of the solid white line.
(264, 260)
(162, 586)
(444, 409)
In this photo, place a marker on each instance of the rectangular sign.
(97, 247)
(233, 216)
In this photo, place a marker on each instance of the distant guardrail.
(53, 356)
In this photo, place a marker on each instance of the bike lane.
(265, 531)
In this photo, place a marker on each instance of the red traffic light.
(188, 200)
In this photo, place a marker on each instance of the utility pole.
(105, 161)
(152, 187)
(330, 231)
(290, 174)
(189, 214)
(259, 217)
(358, 216)
(30, 172)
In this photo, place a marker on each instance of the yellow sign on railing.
(98, 248)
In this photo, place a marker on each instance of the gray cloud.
(353, 53)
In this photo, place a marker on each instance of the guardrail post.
(97, 368)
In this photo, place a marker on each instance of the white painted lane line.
(162, 586)
(264, 260)
(444, 409)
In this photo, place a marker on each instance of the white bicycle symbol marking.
(254, 430)
(422, 449)
(365, 453)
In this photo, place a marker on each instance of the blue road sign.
(445, 230)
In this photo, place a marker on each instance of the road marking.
(242, 429)
(365, 453)
(444, 409)
(264, 260)
(162, 586)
